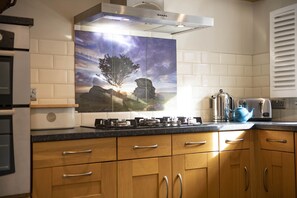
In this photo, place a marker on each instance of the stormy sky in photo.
(156, 58)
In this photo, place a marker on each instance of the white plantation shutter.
(283, 52)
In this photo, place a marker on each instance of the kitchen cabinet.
(195, 165)
(205, 164)
(235, 171)
(75, 168)
(295, 135)
(276, 168)
(144, 167)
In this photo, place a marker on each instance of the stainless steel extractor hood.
(141, 19)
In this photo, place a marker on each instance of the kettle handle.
(231, 103)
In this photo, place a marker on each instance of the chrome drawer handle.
(247, 178)
(7, 53)
(181, 185)
(195, 143)
(265, 175)
(7, 112)
(165, 178)
(78, 174)
(76, 152)
(145, 147)
(276, 140)
(234, 141)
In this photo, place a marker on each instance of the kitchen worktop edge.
(87, 133)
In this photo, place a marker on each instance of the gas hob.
(140, 122)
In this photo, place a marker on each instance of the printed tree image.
(116, 69)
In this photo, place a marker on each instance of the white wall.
(232, 32)
(261, 48)
(53, 19)
(261, 10)
(233, 55)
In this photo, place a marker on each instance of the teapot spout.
(251, 113)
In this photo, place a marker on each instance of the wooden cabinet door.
(235, 174)
(196, 175)
(86, 180)
(277, 177)
(145, 178)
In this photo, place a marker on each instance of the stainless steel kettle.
(222, 105)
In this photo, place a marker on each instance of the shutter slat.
(283, 36)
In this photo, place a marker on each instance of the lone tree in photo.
(116, 69)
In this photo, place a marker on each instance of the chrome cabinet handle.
(247, 178)
(7, 53)
(276, 140)
(76, 152)
(234, 141)
(13, 2)
(195, 143)
(7, 112)
(144, 147)
(78, 174)
(165, 178)
(181, 185)
(265, 174)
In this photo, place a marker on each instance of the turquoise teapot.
(241, 114)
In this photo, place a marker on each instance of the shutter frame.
(283, 52)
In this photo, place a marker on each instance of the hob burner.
(140, 122)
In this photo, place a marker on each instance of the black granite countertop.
(277, 126)
(84, 133)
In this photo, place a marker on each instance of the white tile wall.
(52, 71)
(244, 60)
(47, 76)
(227, 58)
(203, 69)
(199, 75)
(192, 56)
(216, 69)
(208, 57)
(231, 72)
(261, 75)
(41, 61)
(52, 47)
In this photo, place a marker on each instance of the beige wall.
(261, 48)
(232, 32)
(233, 55)
(261, 10)
(53, 19)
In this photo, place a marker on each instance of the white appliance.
(15, 144)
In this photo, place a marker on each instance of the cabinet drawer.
(194, 142)
(49, 154)
(276, 140)
(76, 174)
(144, 146)
(87, 180)
(233, 140)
